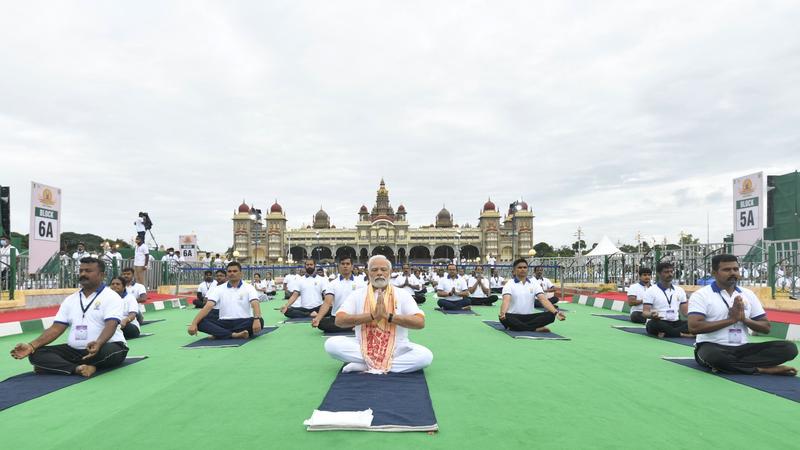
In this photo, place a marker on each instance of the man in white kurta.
(387, 327)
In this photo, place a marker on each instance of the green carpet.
(602, 389)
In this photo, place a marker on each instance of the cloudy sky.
(618, 117)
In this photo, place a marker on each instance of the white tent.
(605, 247)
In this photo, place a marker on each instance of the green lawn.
(602, 389)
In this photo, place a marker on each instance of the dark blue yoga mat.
(782, 386)
(299, 320)
(206, 342)
(338, 333)
(148, 322)
(643, 331)
(525, 334)
(399, 401)
(466, 312)
(28, 386)
(622, 317)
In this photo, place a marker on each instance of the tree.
(629, 248)
(579, 245)
(689, 239)
(565, 251)
(543, 249)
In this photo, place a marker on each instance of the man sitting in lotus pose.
(382, 316)
(721, 313)
(519, 296)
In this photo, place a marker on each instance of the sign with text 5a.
(748, 227)
(45, 230)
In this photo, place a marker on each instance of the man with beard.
(519, 297)
(663, 304)
(720, 315)
(93, 315)
(308, 289)
(382, 316)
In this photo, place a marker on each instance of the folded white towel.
(356, 419)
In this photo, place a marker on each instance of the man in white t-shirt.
(137, 290)
(419, 295)
(79, 254)
(452, 290)
(5, 260)
(496, 282)
(519, 296)
(381, 315)
(271, 288)
(220, 278)
(548, 287)
(336, 293)
(138, 223)
(307, 291)
(636, 293)
(113, 255)
(409, 283)
(260, 286)
(663, 305)
(239, 310)
(721, 313)
(479, 291)
(93, 315)
(203, 288)
(141, 259)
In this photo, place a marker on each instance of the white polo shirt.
(523, 295)
(287, 280)
(412, 281)
(131, 306)
(260, 285)
(100, 306)
(637, 290)
(270, 285)
(473, 281)
(713, 303)
(206, 286)
(234, 301)
(139, 255)
(310, 289)
(496, 282)
(136, 289)
(666, 302)
(404, 305)
(447, 284)
(139, 224)
(341, 288)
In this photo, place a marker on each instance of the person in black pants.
(92, 316)
(663, 305)
(519, 295)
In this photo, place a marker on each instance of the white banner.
(748, 207)
(45, 231)
(188, 247)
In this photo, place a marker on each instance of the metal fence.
(775, 264)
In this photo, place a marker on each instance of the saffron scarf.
(378, 338)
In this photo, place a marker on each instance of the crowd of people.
(379, 306)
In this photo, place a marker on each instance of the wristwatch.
(391, 316)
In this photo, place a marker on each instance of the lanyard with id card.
(735, 335)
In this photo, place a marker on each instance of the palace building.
(385, 231)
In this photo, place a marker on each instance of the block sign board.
(188, 247)
(45, 230)
(748, 204)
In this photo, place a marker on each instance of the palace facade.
(382, 230)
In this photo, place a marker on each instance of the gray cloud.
(616, 117)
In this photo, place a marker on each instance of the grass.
(602, 389)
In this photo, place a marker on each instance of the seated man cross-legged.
(239, 310)
(548, 287)
(636, 293)
(129, 324)
(663, 304)
(335, 294)
(92, 315)
(307, 292)
(519, 296)
(452, 291)
(479, 291)
(721, 313)
(382, 316)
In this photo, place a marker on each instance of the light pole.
(318, 249)
(458, 246)
(515, 207)
(256, 216)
